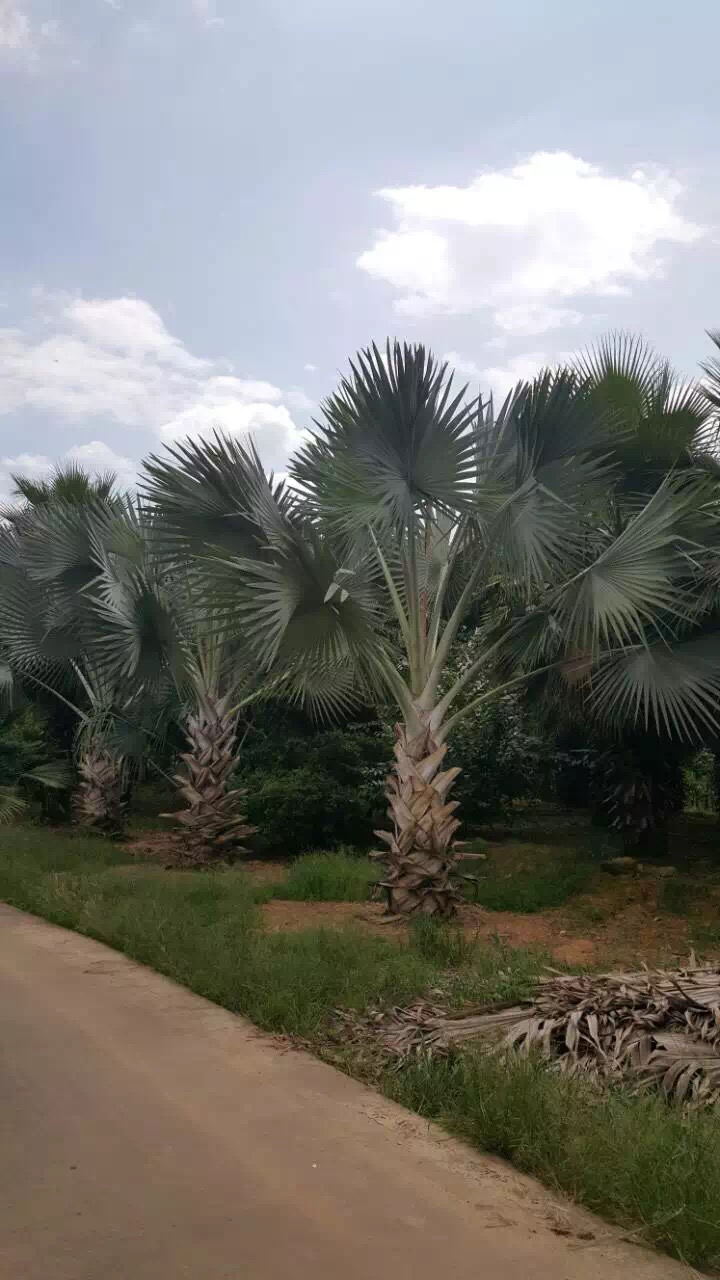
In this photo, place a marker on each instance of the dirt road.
(148, 1135)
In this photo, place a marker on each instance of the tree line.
(430, 553)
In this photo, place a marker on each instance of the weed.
(636, 1161)
(440, 942)
(677, 896)
(530, 890)
(327, 877)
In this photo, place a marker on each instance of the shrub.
(23, 745)
(313, 789)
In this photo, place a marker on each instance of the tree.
(155, 629)
(51, 554)
(659, 423)
(413, 506)
(70, 485)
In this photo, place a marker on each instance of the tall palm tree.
(413, 505)
(659, 423)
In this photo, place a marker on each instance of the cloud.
(521, 243)
(21, 38)
(95, 457)
(498, 380)
(114, 359)
(205, 11)
(310, 368)
(15, 28)
(132, 326)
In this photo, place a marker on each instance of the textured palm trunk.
(212, 824)
(420, 859)
(100, 798)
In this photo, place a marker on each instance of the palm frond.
(673, 687)
(640, 575)
(213, 494)
(657, 419)
(56, 775)
(395, 438)
(12, 805)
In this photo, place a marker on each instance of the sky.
(210, 205)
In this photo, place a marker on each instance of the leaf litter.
(649, 1029)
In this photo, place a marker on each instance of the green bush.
(23, 746)
(313, 789)
(295, 810)
(499, 760)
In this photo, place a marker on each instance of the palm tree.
(660, 423)
(51, 555)
(412, 507)
(70, 485)
(155, 629)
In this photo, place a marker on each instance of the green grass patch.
(530, 889)
(328, 877)
(441, 943)
(635, 1161)
(679, 896)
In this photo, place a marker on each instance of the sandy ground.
(148, 1134)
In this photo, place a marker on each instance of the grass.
(636, 1161)
(344, 877)
(531, 889)
(678, 896)
(328, 877)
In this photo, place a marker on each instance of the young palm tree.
(213, 822)
(155, 622)
(412, 507)
(156, 634)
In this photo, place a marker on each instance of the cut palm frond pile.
(655, 1030)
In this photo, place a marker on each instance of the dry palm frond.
(658, 1030)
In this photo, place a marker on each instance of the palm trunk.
(99, 801)
(420, 860)
(212, 824)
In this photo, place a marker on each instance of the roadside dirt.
(633, 929)
(617, 922)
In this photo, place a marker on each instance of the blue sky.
(208, 205)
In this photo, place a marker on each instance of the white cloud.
(21, 38)
(131, 326)
(96, 457)
(205, 11)
(15, 29)
(34, 465)
(310, 368)
(114, 359)
(523, 242)
(498, 380)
